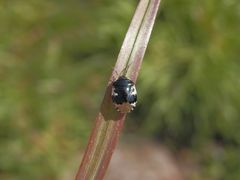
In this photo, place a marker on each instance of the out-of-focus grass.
(53, 59)
(52, 64)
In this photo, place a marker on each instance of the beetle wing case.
(124, 94)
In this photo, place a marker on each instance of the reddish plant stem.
(109, 122)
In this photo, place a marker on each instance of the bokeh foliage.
(55, 60)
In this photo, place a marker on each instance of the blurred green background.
(56, 58)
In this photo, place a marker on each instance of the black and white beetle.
(124, 94)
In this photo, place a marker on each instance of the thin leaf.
(109, 122)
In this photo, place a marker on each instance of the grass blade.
(109, 122)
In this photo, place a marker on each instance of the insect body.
(124, 94)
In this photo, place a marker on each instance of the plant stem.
(109, 122)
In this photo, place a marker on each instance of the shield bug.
(124, 94)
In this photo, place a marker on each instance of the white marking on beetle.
(133, 90)
(134, 104)
(124, 108)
